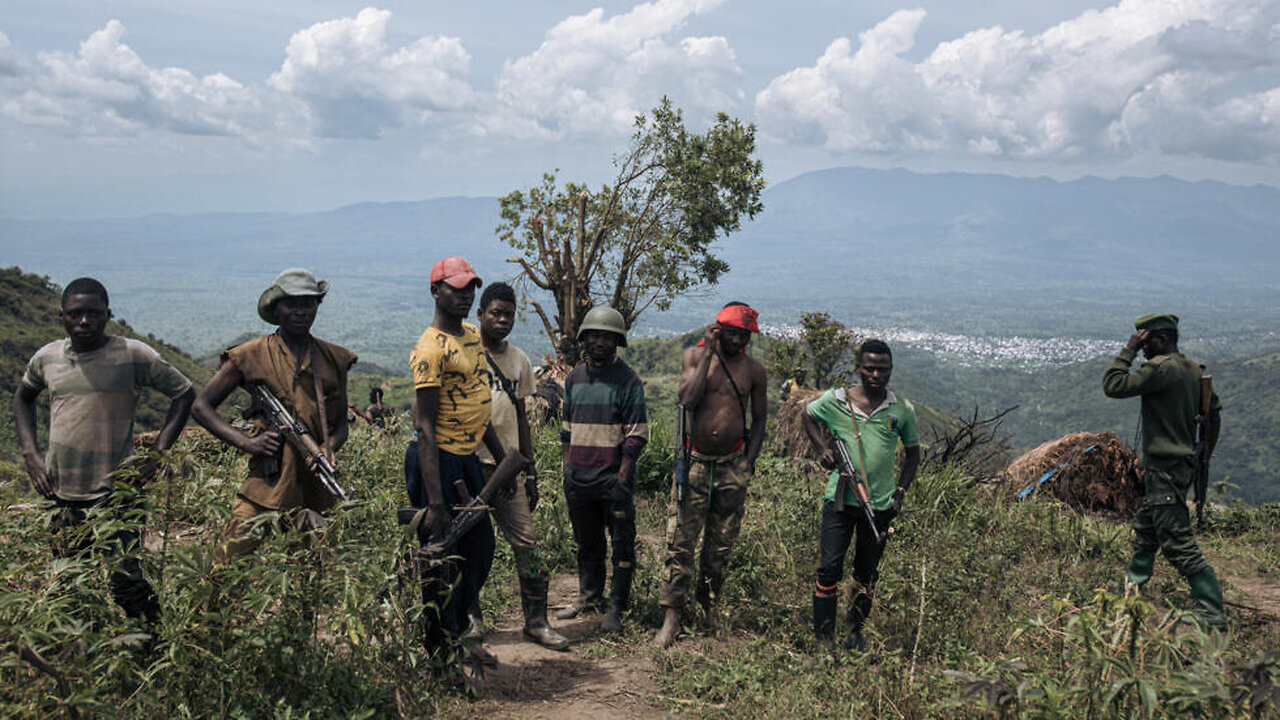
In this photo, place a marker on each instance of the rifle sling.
(503, 381)
(737, 393)
(315, 375)
(857, 435)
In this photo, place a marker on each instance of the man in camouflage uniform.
(1169, 384)
(718, 382)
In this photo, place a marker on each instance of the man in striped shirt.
(605, 428)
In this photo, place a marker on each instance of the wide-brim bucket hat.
(294, 282)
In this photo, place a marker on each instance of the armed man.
(718, 382)
(512, 383)
(308, 378)
(1172, 395)
(452, 407)
(604, 430)
(867, 421)
(94, 381)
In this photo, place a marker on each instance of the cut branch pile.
(194, 443)
(1107, 478)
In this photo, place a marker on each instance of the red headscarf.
(738, 316)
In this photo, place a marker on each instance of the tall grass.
(985, 608)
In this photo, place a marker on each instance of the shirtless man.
(718, 382)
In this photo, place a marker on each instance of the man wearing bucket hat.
(309, 377)
(718, 381)
(1169, 384)
(451, 419)
(605, 427)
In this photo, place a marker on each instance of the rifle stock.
(682, 457)
(467, 515)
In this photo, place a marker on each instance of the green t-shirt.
(894, 420)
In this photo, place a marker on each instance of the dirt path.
(533, 682)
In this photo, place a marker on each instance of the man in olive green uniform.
(1169, 384)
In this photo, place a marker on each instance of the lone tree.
(824, 347)
(644, 239)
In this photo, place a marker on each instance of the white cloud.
(592, 75)
(1176, 77)
(106, 90)
(353, 85)
(8, 58)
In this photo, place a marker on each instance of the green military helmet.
(1156, 321)
(605, 318)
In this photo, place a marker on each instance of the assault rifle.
(1200, 455)
(682, 457)
(267, 405)
(468, 514)
(849, 474)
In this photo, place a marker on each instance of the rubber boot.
(859, 611)
(619, 600)
(824, 618)
(1140, 567)
(590, 590)
(1207, 593)
(533, 599)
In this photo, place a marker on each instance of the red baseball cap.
(456, 271)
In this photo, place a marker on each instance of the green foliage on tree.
(643, 239)
(824, 348)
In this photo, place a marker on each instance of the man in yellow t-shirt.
(451, 419)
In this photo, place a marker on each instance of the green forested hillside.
(1055, 401)
(29, 307)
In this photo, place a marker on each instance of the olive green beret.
(1157, 321)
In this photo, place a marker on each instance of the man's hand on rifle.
(828, 458)
(268, 443)
(437, 520)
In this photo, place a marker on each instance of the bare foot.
(670, 630)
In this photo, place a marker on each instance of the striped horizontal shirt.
(604, 417)
(92, 400)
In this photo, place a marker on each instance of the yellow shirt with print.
(455, 364)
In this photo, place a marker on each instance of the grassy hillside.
(985, 608)
(29, 306)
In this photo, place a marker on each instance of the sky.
(135, 107)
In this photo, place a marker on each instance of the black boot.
(590, 590)
(859, 611)
(533, 599)
(619, 600)
(824, 618)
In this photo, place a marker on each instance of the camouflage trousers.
(515, 521)
(1164, 523)
(714, 501)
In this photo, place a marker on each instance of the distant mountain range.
(978, 254)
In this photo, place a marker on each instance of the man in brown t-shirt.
(293, 365)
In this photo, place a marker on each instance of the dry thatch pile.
(790, 426)
(544, 404)
(1096, 479)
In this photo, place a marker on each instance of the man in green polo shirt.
(1169, 384)
(871, 420)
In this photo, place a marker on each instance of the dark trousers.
(129, 587)
(593, 510)
(466, 566)
(838, 530)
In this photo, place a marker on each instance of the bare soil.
(584, 682)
